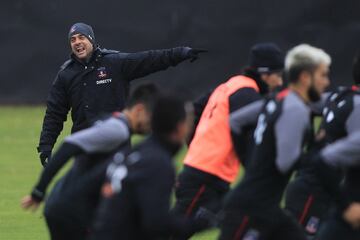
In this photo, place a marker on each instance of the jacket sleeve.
(137, 65)
(56, 113)
(155, 216)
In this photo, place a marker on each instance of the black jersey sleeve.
(346, 151)
(199, 106)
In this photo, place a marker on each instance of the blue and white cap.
(84, 29)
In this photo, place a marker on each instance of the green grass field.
(19, 169)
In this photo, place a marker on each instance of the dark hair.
(356, 68)
(168, 112)
(146, 94)
(293, 73)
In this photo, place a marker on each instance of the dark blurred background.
(33, 37)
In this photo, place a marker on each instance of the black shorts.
(272, 224)
(336, 228)
(310, 205)
(196, 189)
(60, 229)
(61, 218)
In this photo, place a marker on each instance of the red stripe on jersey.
(308, 203)
(282, 94)
(194, 201)
(241, 228)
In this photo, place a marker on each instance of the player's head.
(266, 61)
(172, 119)
(82, 40)
(308, 68)
(356, 68)
(139, 107)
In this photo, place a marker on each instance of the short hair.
(304, 58)
(146, 94)
(168, 112)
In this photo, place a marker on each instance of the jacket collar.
(95, 55)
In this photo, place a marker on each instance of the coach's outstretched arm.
(140, 64)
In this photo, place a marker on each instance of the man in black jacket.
(136, 195)
(95, 81)
(71, 204)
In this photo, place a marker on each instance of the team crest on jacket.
(102, 73)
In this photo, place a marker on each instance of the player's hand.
(28, 203)
(193, 53)
(352, 215)
(44, 157)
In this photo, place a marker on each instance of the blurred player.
(136, 195)
(211, 163)
(71, 204)
(252, 209)
(95, 81)
(344, 223)
(306, 197)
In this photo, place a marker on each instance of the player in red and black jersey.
(252, 208)
(307, 198)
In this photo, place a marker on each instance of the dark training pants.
(262, 225)
(60, 221)
(310, 205)
(59, 230)
(195, 190)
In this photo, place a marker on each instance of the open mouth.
(80, 50)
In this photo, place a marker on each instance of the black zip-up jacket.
(136, 196)
(99, 86)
